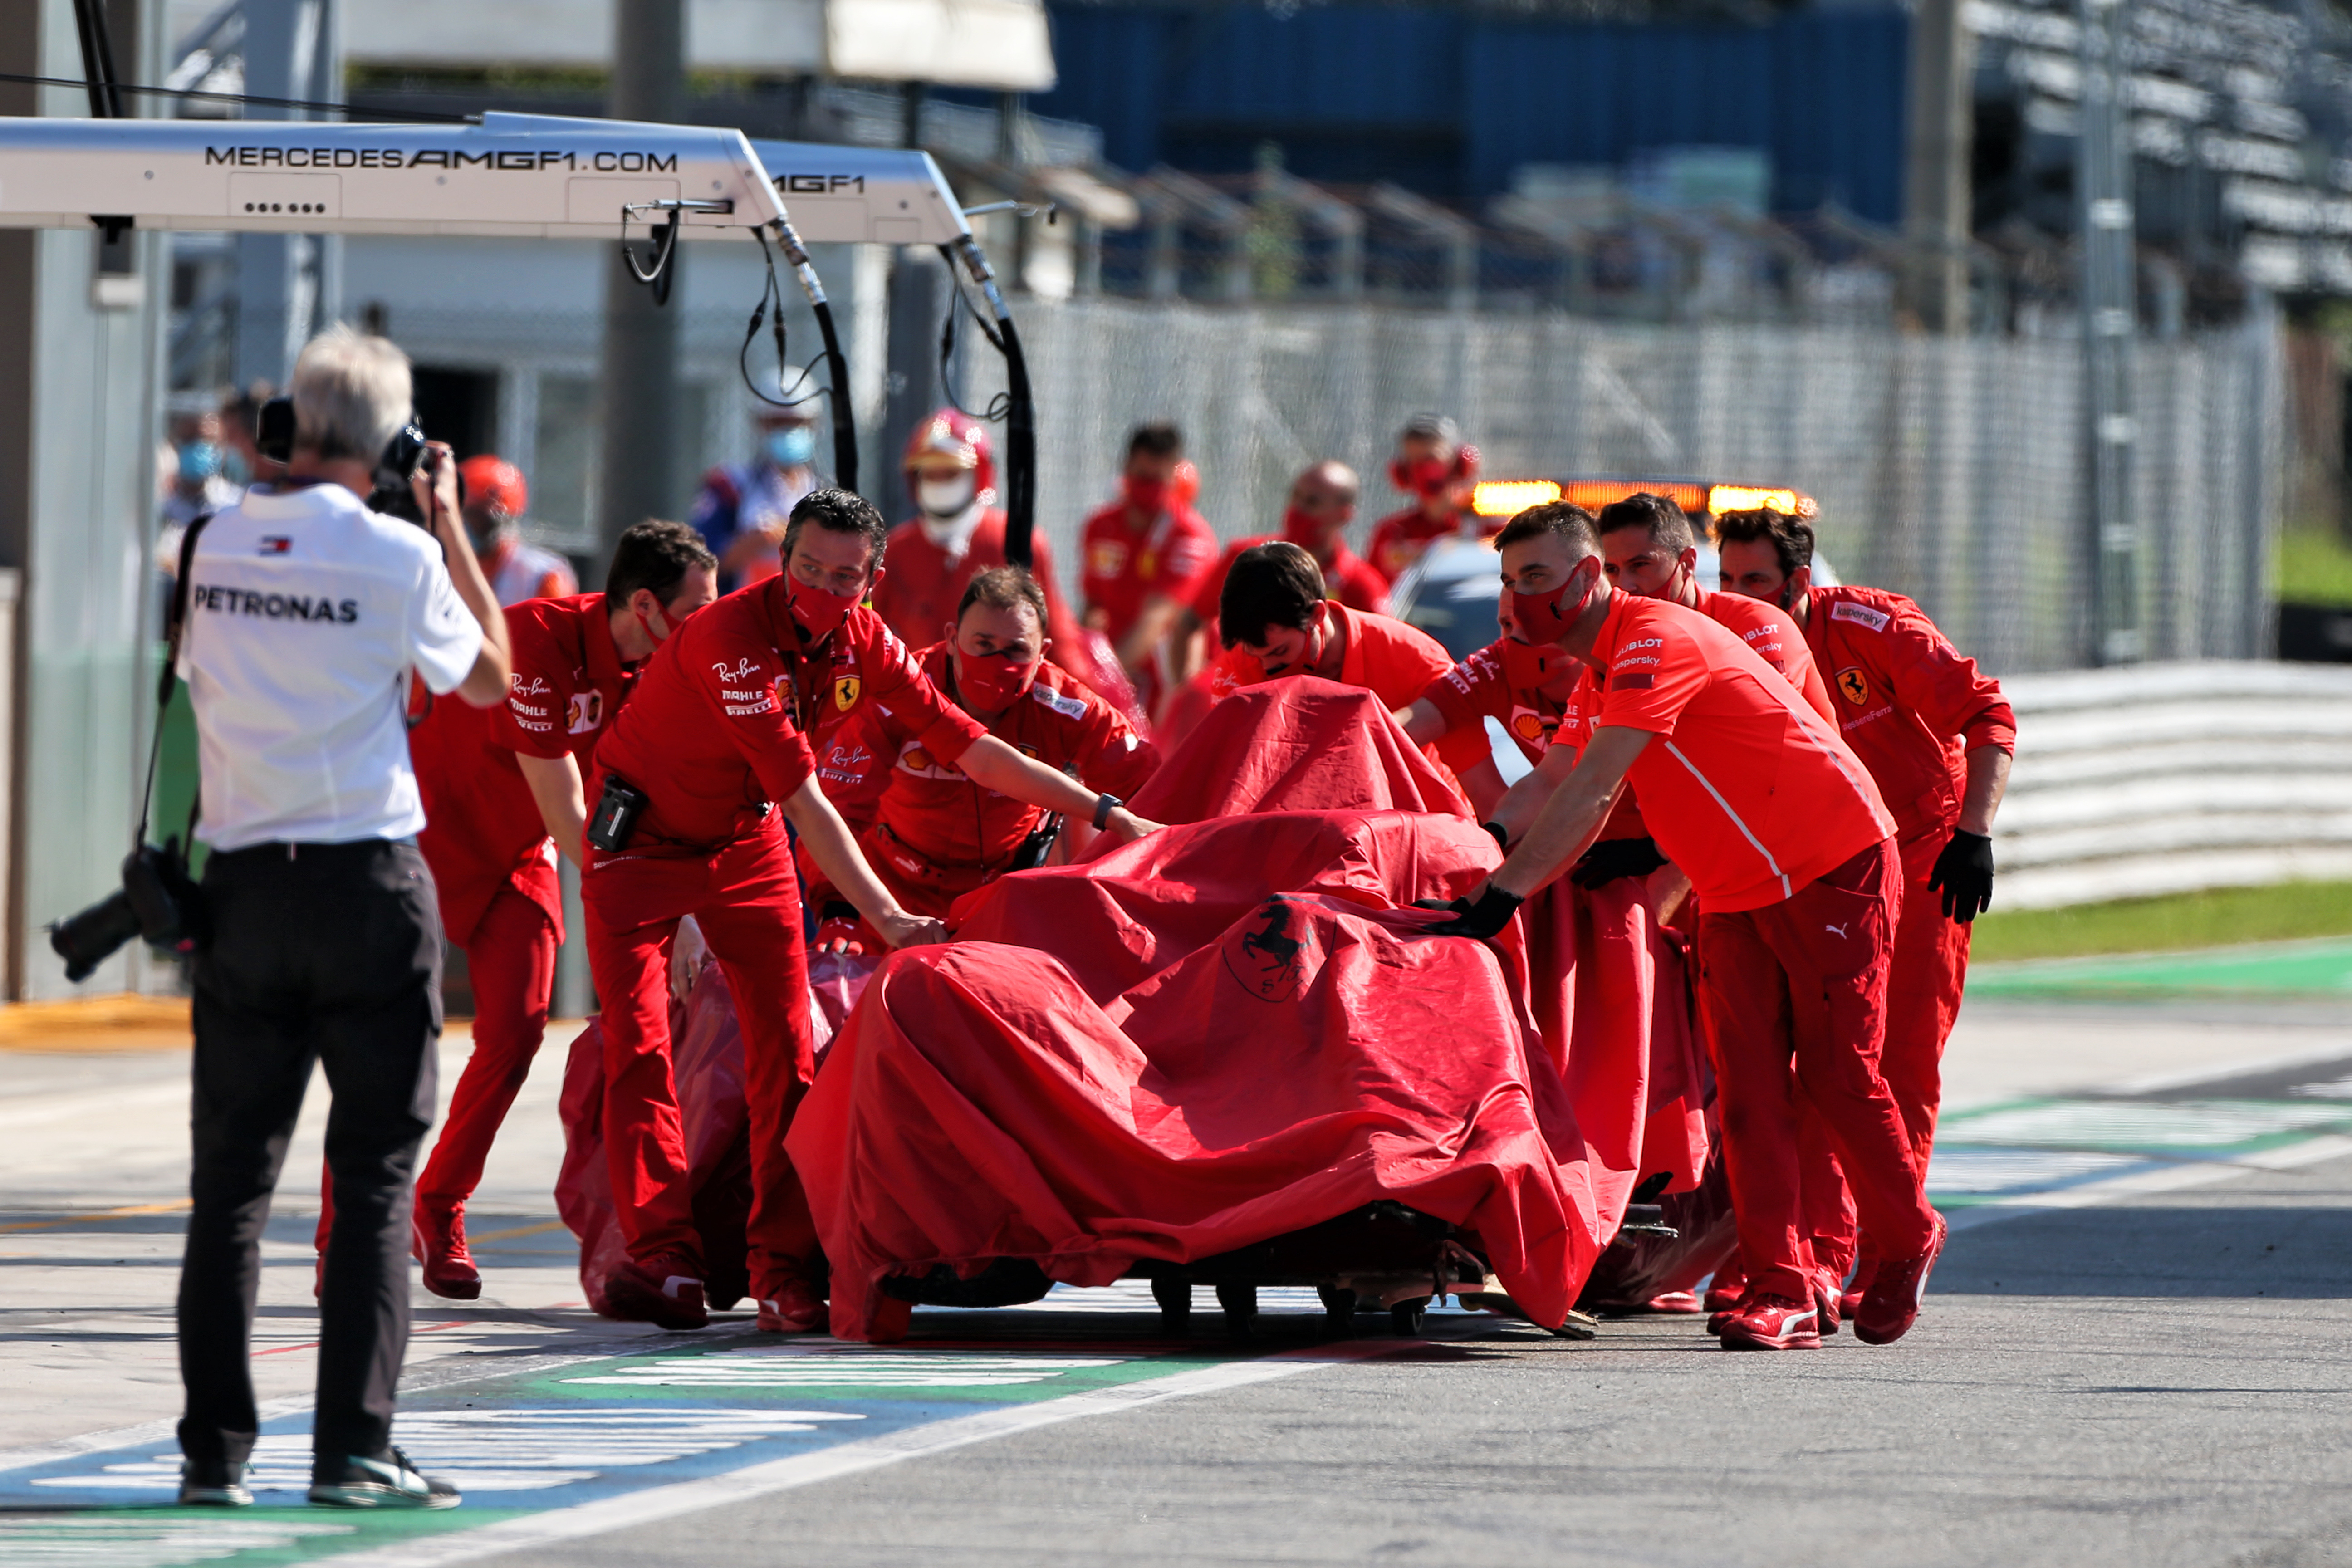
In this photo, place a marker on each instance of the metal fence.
(1951, 469)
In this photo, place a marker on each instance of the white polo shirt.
(306, 614)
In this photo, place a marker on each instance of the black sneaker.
(216, 1484)
(389, 1482)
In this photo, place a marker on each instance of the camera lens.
(90, 938)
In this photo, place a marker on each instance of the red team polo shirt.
(1744, 786)
(1907, 701)
(483, 831)
(1124, 566)
(1399, 538)
(882, 766)
(1479, 689)
(1775, 638)
(715, 731)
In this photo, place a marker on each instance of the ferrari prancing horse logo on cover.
(1271, 951)
(1854, 685)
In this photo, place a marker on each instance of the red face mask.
(991, 682)
(818, 612)
(1545, 618)
(1146, 495)
(1530, 669)
(1302, 528)
(1431, 475)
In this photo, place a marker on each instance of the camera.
(158, 899)
(397, 465)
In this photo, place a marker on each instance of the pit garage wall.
(78, 427)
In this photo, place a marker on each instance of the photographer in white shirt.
(306, 615)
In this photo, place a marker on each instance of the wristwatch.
(1104, 806)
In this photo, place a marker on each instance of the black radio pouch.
(615, 819)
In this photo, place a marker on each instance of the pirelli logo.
(503, 160)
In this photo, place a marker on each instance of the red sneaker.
(1891, 1305)
(665, 1291)
(1681, 1302)
(791, 1305)
(1826, 1300)
(437, 1240)
(1865, 1269)
(1772, 1323)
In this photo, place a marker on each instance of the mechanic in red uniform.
(957, 533)
(1440, 471)
(1937, 735)
(1792, 854)
(1275, 620)
(930, 834)
(1144, 554)
(502, 795)
(716, 744)
(1322, 503)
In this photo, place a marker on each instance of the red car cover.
(1298, 744)
(1224, 1033)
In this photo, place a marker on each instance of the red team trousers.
(510, 963)
(1923, 999)
(747, 901)
(1795, 1001)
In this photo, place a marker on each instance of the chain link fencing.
(1951, 469)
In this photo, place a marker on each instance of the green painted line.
(2283, 970)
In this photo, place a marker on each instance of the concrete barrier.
(2163, 778)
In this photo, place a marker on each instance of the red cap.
(495, 484)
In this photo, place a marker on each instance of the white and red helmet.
(953, 434)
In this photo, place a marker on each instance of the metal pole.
(637, 393)
(1936, 183)
(289, 285)
(2103, 173)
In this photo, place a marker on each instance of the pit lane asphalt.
(2159, 1380)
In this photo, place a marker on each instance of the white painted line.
(433, 1374)
(2170, 1178)
(656, 1503)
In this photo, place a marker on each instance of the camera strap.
(175, 626)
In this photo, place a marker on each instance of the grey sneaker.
(389, 1482)
(216, 1484)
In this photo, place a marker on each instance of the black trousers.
(325, 952)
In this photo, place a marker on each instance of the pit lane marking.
(497, 1451)
(827, 1367)
(656, 1503)
(119, 1542)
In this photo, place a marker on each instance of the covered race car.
(1236, 1035)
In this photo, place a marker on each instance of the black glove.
(1963, 874)
(1485, 917)
(1614, 858)
(1502, 840)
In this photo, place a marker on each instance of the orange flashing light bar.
(1721, 499)
(1509, 498)
(1594, 494)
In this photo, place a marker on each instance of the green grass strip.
(2314, 567)
(2218, 917)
